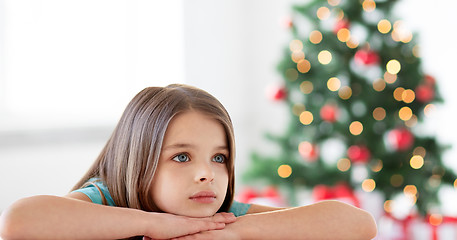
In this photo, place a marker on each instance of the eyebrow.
(187, 145)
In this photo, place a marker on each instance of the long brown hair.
(128, 161)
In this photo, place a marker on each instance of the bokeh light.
(291, 74)
(390, 78)
(388, 206)
(412, 121)
(297, 56)
(356, 128)
(398, 93)
(428, 109)
(368, 185)
(435, 219)
(323, 13)
(405, 113)
(408, 96)
(376, 166)
(345, 93)
(369, 5)
(306, 117)
(284, 171)
(295, 45)
(396, 180)
(298, 108)
(379, 113)
(315, 37)
(303, 66)
(352, 43)
(379, 85)
(343, 35)
(343, 164)
(334, 2)
(410, 190)
(384, 26)
(420, 151)
(324, 57)
(416, 162)
(333, 84)
(306, 87)
(393, 66)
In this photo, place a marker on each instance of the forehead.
(194, 126)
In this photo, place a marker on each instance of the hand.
(173, 226)
(213, 234)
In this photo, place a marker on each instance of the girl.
(166, 172)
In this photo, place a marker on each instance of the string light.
(396, 180)
(384, 26)
(410, 191)
(416, 51)
(323, 13)
(334, 2)
(428, 109)
(379, 113)
(306, 117)
(291, 74)
(306, 87)
(343, 35)
(343, 164)
(379, 85)
(435, 219)
(315, 37)
(296, 45)
(284, 171)
(356, 128)
(405, 113)
(345, 93)
(333, 84)
(368, 185)
(412, 121)
(303, 66)
(408, 96)
(393, 66)
(420, 151)
(416, 162)
(298, 108)
(390, 78)
(352, 43)
(324, 57)
(388, 206)
(297, 56)
(398, 92)
(377, 166)
(455, 183)
(369, 5)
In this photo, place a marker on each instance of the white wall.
(231, 50)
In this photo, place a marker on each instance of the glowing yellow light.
(379, 113)
(377, 166)
(405, 113)
(455, 183)
(393, 66)
(291, 74)
(333, 84)
(352, 43)
(323, 13)
(428, 109)
(408, 96)
(369, 5)
(297, 56)
(379, 85)
(356, 128)
(284, 171)
(303, 66)
(416, 162)
(420, 151)
(315, 37)
(306, 87)
(384, 26)
(435, 219)
(298, 108)
(343, 35)
(416, 51)
(343, 164)
(390, 78)
(324, 57)
(296, 45)
(334, 2)
(345, 93)
(400, 33)
(368, 185)
(388, 206)
(306, 118)
(410, 190)
(398, 93)
(396, 180)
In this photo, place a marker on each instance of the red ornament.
(340, 191)
(366, 57)
(277, 93)
(400, 139)
(359, 154)
(429, 80)
(329, 113)
(425, 93)
(270, 196)
(344, 23)
(308, 151)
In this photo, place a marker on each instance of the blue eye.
(219, 158)
(181, 158)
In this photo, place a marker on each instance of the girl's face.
(192, 176)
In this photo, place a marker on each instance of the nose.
(204, 173)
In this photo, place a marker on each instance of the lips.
(203, 197)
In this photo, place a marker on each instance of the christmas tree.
(357, 97)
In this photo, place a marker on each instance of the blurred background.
(69, 68)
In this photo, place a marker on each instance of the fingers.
(223, 217)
